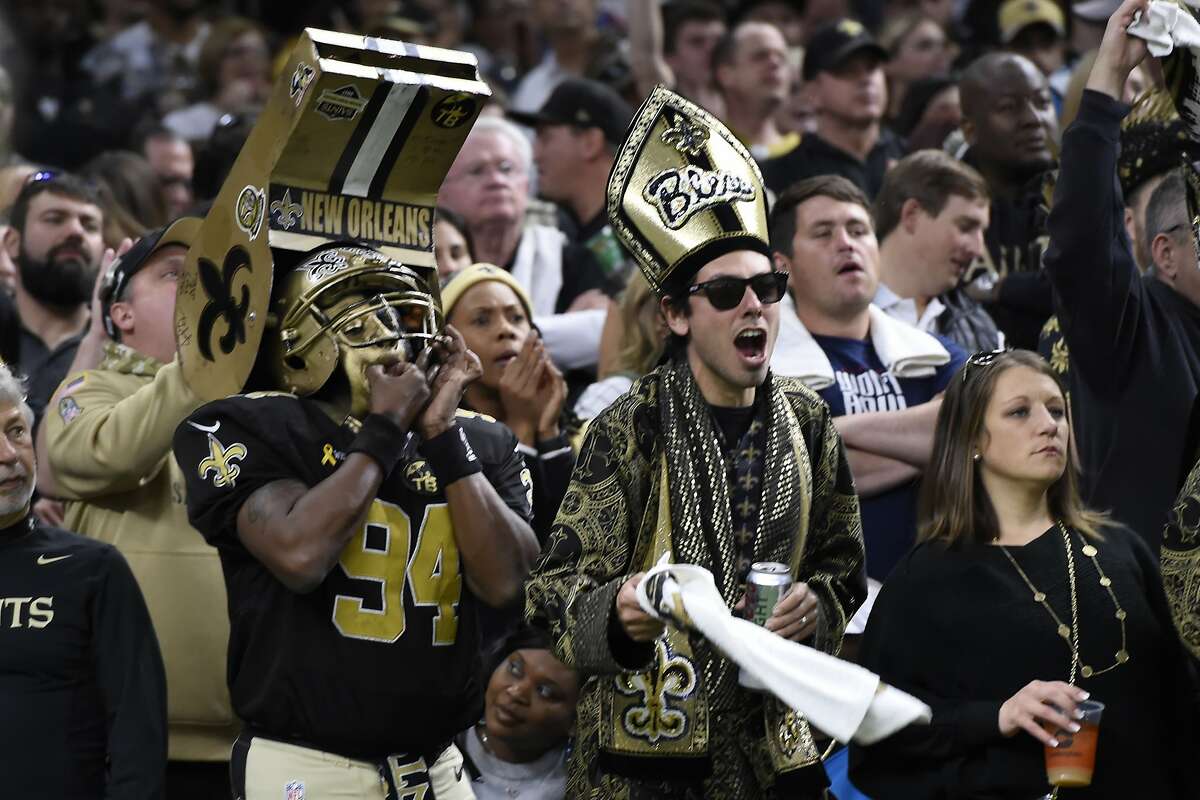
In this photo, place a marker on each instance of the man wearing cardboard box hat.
(361, 520)
(710, 459)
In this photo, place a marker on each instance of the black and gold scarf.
(665, 711)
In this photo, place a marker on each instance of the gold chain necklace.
(1071, 634)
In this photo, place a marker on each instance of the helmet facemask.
(352, 308)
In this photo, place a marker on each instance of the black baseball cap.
(832, 44)
(585, 104)
(182, 232)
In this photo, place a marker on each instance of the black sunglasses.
(727, 293)
(981, 359)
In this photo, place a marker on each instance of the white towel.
(842, 699)
(905, 351)
(1166, 26)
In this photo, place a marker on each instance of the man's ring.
(803, 620)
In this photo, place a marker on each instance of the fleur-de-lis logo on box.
(685, 135)
(285, 211)
(222, 304)
(673, 677)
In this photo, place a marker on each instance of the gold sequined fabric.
(1180, 558)
(604, 533)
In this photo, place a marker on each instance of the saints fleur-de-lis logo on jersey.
(685, 135)
(285, 211)
(221, 459)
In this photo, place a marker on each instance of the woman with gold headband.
(710, 459)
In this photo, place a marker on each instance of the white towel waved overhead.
(905, 351)
(1166, 26)
(842, 699)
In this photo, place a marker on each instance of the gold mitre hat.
(683, 191)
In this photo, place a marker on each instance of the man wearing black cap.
(844, 67)
(578, 131)
(108, 442)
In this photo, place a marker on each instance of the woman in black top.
(1016, 603)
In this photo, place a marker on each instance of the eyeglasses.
(983, 358)
(727, 293)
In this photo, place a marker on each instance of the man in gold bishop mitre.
(712, 459)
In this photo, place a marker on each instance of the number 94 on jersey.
(387, 559)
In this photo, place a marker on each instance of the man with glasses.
(881, 377)
(488, 184)
(709, 460)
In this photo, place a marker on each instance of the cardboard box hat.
(353, 145)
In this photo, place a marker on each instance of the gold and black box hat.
(352, 145)
(683, 190)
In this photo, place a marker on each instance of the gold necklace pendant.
(1070, 634)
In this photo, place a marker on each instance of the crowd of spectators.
(928, 202)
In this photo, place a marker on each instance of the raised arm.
(107, 441)
(298, 532)
(497, 546)
(646, 46)
(1096, 282)
(87, 356)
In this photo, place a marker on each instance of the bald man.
(1011, 130)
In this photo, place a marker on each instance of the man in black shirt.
(843, 66)
(82, 689)
(1009, 125)
(359, 526)
(55, 241)
(1134, 340)
(578, 131)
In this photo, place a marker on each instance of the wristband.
(382, 440)
(450, 456)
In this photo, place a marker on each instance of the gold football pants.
(272, 770)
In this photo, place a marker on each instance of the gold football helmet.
(347, 296)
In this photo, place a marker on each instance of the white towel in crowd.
(842, 699)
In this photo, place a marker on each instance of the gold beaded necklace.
(1071, 634)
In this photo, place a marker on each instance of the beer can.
(766, 584)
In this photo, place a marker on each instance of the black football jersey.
(383, 657)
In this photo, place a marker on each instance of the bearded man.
(55, 242)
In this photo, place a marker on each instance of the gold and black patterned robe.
(668, 719)
(1180, 558)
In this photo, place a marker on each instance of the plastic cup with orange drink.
(1074, 760)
